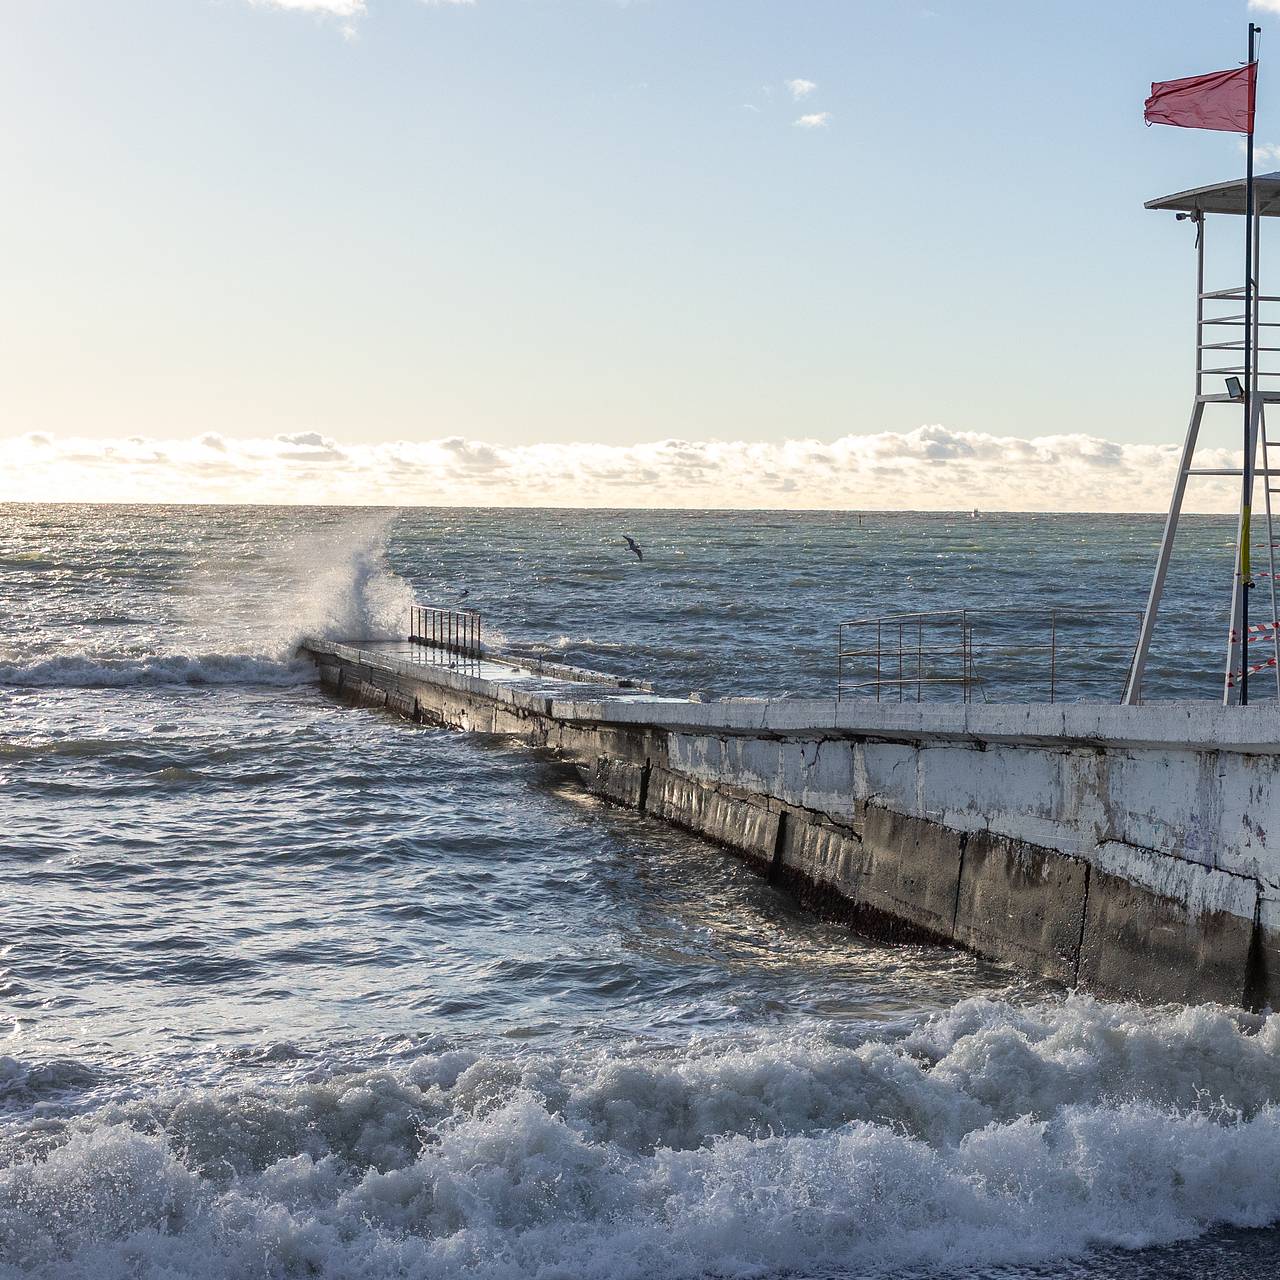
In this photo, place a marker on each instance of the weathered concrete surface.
(912, 871)
(823, 863)
(623, 783)
(1165, 928)
(402, 703)
(1021, 903)
(1135, 850)
(751, 828)
(368, 694)
(1264, 968)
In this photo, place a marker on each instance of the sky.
(778, 253)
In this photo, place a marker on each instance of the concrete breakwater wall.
(1129, 850)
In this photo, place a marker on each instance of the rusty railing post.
(919, 654)
(879, 650)
(1053, 653)
(839, 659)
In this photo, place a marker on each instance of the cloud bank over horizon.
(931, 469)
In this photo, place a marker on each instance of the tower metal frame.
(1261, 388)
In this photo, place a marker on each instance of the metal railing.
(448, 631)
(1007, 655)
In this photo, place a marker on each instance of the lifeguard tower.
(1232, 340)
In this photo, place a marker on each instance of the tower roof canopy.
(1225, 197)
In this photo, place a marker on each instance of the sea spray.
(991, 1135)
(330, 581)
(242, 616)
(343, 587)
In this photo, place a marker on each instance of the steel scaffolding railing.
(446, 630)
(1011, 655)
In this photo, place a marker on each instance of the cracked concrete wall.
(1212, 808)
(1136, 869)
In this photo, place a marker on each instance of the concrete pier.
(1129, 850)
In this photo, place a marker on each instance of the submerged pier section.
(1130, 850)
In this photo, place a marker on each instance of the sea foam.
(992, 1134)
(81, 671)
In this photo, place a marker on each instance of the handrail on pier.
(446, 629)
(1011, 655)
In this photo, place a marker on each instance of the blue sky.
(581, 220)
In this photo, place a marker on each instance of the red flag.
(1221, 100)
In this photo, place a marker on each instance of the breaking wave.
(24, 1083)
(342, 589)
(990, 1135)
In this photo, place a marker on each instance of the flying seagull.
(634, 545)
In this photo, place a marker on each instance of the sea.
(292, 989)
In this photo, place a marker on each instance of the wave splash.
(342, 588)
(992, 1135)
(334, 584)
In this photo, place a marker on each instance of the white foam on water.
(992, 1134)
(25, 1083)
(83, 672)
(494, 640)
(584, 642)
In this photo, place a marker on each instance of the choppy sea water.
(296, 990)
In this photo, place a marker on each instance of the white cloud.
(348, 10)
(334, 8)
(1271, 6)
(803, 88)
(1263, 151)
(818, 120)
(931, 468)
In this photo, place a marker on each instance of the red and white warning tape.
(1257, 631)
(1233, 676)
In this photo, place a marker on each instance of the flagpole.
(1246, 470)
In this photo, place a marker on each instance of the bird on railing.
(633, 545)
